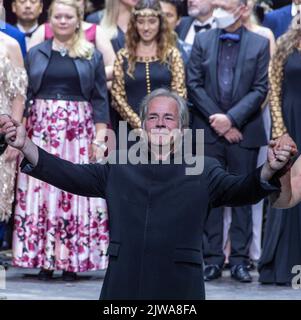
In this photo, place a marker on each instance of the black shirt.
(227, 59)
(61, 79)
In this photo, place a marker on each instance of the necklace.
(62, 49)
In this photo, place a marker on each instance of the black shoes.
(45, 275)
(238, 272)
(212, 271)
(69, 276)
(241, 273)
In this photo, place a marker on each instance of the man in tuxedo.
(227, 84)
(27, 13)
(157, 210)
(11, 31)
(200, 20)
(279, 20)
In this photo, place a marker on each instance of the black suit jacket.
(91, 75)
(156, 218)
(249, 89)
(183, 27)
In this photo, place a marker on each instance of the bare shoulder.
(86, 25)
(12, 50)
(9, 42)
(265, 32)
(100, 32)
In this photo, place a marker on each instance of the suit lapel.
(213, 64)
(184, 26)
(187, 27)
(240, 60)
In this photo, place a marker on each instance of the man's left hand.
(220, 123)
(277, 160)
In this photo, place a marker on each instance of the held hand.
(286, 140)
(276, 162)
(278, 158)
(220, 123)
(15, 133)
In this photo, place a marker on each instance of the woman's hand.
(11, 154)
(285, 140)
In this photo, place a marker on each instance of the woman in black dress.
(282, 241)
(149, 61)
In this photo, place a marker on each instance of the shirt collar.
(211, 21)
(20, 27)
(238, 31)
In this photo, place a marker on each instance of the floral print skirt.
(53, 229)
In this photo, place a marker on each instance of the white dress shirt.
(191, 33)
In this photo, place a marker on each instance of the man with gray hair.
(156, 211)
(200, 20)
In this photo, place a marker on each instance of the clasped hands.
(280, 151)
(222, 125)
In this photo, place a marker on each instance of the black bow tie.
(29, 34)
(205, 27)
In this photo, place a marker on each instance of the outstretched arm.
(229, 190)
(88, 180)
(84, 180)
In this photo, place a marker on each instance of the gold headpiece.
(147, 12)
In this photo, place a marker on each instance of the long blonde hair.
(110, 17)
(80, 47)
(286, 44)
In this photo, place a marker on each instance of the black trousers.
(236, 160)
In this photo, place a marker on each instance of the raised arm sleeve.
(87, 180)
(230, 190)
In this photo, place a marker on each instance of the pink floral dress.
(53, 229)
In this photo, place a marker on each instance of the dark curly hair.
(166, 38)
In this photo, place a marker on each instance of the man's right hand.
(15, 133)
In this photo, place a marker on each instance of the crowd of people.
(74, 76)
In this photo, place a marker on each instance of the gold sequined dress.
(13, 82)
